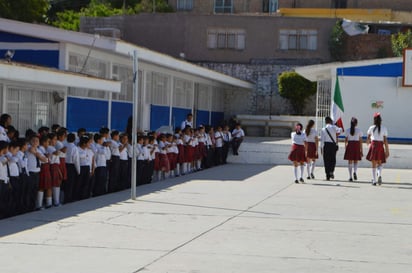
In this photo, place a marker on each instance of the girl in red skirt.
(45, 182)
(180, 155)
(55, 171)
(164, 161)
(353, 148)
(378, 148)
(297, 153)
(312, 141)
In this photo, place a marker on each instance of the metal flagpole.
(134, 121)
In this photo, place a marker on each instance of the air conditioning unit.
(108, 32)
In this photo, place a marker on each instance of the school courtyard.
(240, 218)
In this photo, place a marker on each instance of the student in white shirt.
(329, 147)
(5, 190)
(100, 173)
(312, 147)
(73, 168)
(353, 148)
(238, 134)
(297, 154)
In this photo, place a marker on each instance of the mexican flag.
(337, 106)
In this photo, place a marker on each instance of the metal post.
(134, 121)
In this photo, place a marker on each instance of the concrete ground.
(233, 218)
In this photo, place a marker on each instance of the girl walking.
(312, 141)
(353, 148)
(297, 153)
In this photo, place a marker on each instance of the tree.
(153, 6)
(24, 10)
(400, 41)
(296, 89)
(337, 42)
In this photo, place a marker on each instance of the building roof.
(327, 71)
(42, 75)
(119, 47)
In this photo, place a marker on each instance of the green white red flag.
(337, 106)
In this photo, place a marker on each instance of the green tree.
(24, 10)
(400, 41)
(153, 6)
(296, 89)
(337, 42)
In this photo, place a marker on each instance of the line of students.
(46, 169)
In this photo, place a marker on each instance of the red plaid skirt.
(311, 150)
(181, 154)
(297, 153)
(45, 181)
(156, 163)
(63, 168)
(164, 163)
(376, 152)
(189, 153)
(198, 153)
(172, 160)
(56, 175)
(352, 151)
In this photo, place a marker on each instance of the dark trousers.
(70, 183)
(225, 151)
(25, 199)
(208, 161)
(33, 188)
(329, 158)
(236, 144)
(114, 174)
(218, 155)
(16, 202)
(140, 172)
(124, 181)
(100, 179)
(83, 187)
(5, 200)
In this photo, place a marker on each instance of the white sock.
(350, 169)
(39, 202)
(373, 175)
(48, 201)
(313, 167)
(184, 168)
(308, 165)
(302, 168)
(380, 167)
(56, 196)
(199, 164)
(355, 167)
(295, 170)
(177, 170)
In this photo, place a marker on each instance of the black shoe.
(308, 178)
(296, 181)
(380, 180)
(355, 177)
(327, 178)
(312, 176)
(332, 176)
(373, 183)
(350, 180)
(301, 180)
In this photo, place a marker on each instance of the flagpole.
(134, 122)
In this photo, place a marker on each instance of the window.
(292, 39)
(226, 39)
(184, 4)
(183, 93)
(223, 6)
(218, 98)
(125, 75)
(340, 4)
(270, 6)
(159, 89)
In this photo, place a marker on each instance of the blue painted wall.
(86, 113)
(378, 70)
(121, 111)
(217, 118)
(159, 116)
(202, 117)
(179, 115)
(12, 37)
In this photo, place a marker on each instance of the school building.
(366, 87)
(98, 86)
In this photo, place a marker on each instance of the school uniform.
(311, 143)
(114, 166)
(33, 167)
(129, 164)
(124, 181)
(376, 149)
(83, 186)
(209, 157)
(152, 153)
(24, 180)
(238, 135)
(171, 156)
(218, 147)
(62, 159)
(100, 173)
(5, 189)
(186, 123)
(73, 171)
(164, 161)
(297, 152)
(140, 164)
(3, 134)
(16, 201)
(227, 137)
(45, 180)
(328, 144)
(353, 148)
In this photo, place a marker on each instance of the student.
(5, 121)
(72, 166)
(238, 135)
(188, 122)
(124, 181)
(329, 147)
(180, 160)
(164, 161)
(227, 138)
(5, 189)
(56, 174)
(60, 146)
(45, 181)
(23, 174)
(297, 153)
(115, 149)
(378, 147)
(171, 155)
(100, 173)
(219, 145)
(16, 204)
(86, 168)
(140, 160)
(353, 148)
(34, 159)
(202, 139)
(187, 142)
(152, 153)
(312, 141)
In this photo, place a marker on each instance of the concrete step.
(259, 150)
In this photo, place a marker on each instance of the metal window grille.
(184, 4)
(323, 102)
(226, 38)
(204, 95)
(218, 99)
(293, 39)
(183, 93)
(160, 89)
(125, 75)
(223, 6)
